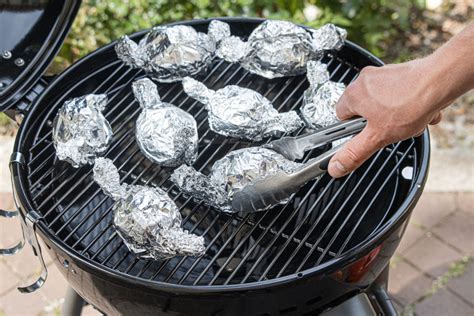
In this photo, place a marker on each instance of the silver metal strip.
(28, 226)
(29, 231)
(12, 250)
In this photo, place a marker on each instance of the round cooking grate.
(324, 220)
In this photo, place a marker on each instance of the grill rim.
(22, 199)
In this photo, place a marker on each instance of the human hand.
(397, 105)
(399, 101)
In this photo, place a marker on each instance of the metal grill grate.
(322, 221)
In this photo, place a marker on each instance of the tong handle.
(333, 132)
(319, 165)
(314, 167)
(294, 147)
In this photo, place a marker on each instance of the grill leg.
(73, 303)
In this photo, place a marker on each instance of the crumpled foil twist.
(172, 52)
(165, 134)
(320, 99)
(146, 218)
(240, 112)
(280, 48)
(231, 173)
(80, 130)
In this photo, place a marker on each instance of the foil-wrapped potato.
(280, 48)
(146, 218)
(319, 100)
(80, 130)
(229, 174)
(165, 134)
(170, 53)
(240, 112)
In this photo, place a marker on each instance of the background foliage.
(375, 25)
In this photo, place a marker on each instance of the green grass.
(4, 121)
(456, 270)
(395, 261)
(408, 310)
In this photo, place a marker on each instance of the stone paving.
(433, 270)
(431, 274)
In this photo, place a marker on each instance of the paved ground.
(431, 274)
(433, 270)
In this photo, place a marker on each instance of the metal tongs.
(262, 194)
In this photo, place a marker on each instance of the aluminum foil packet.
(80, 130)
(165, 134)
(172, 52)
(320, 99)
(146, 218)
(240, 112)
(230, 174)
(280, 48)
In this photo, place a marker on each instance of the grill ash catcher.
(326, 250)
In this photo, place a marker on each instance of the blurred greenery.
(375, 25)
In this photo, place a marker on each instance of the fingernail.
(337, 169)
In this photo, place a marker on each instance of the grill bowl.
(330, 241)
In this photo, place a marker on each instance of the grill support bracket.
(28, 226)
(14, 249)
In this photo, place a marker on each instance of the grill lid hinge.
(21, 107)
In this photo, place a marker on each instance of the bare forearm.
(452, 68)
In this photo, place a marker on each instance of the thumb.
(354, 153)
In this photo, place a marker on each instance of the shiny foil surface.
(280, 48)
(240, 112)
(320, 99)
(230, 174)
(170, 53)
(146, 218)
(165, 134)
(80, 130)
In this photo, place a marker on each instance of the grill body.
(331, 241)
(307, 295)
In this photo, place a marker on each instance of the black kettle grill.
(326, 250)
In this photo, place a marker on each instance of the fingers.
(354, 153)
(436, 119)
(343, 111)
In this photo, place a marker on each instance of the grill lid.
(32, 34)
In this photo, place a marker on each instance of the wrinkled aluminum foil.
(165, 134)
(193, 183)
(146, 218)
(230, 174)
(240, 112)
(280, 48)
(80, 130)
(320, 99)
(172, 52)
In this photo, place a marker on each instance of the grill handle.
(12, 250)
(29, 231)
(28, 226)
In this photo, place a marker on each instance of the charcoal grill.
(330, 242)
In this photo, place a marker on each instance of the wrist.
(451, 68)
(431, 82)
